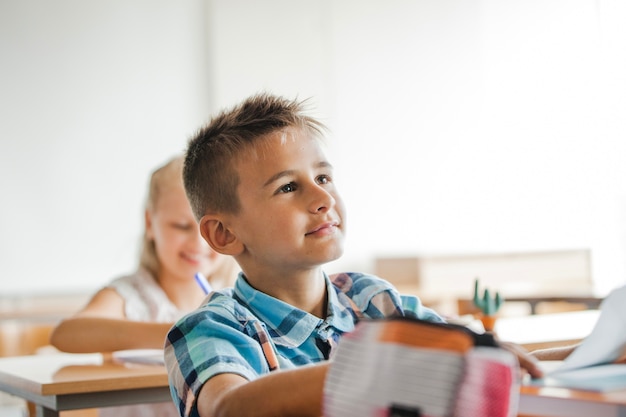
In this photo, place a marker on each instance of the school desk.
(58, 382)
(563, 402)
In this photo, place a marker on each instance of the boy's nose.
(322, 201)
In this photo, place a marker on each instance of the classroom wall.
(456, 126)
(93, 95)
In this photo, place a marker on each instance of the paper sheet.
(144, 356)
(600, 378)
(590, 367)
(607, 340)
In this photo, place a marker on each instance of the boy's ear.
(219, 236)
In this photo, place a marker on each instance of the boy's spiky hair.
(209, 172)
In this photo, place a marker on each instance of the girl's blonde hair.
(171, 173)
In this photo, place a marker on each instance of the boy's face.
(291, 217)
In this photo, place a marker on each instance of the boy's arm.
(294, 392)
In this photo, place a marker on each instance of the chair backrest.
(23, 337)
(26, 320)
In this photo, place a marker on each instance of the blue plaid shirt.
(249, 333)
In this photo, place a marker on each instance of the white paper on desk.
(600, 378)
(607, 340)
(145, 356)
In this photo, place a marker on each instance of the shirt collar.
(290, 326)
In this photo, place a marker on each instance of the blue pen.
(203, 283)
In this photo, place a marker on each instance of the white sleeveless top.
(144, 301)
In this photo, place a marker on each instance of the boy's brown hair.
(209, 172)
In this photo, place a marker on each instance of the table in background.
(59, 382)
(547, 330)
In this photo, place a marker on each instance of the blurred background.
(456, 126)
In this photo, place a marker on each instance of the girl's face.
(179, 246)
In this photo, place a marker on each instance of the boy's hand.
(558, 353)
(526, 361)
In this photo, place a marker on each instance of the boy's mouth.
(324, 228)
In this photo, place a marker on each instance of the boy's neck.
(305, 290)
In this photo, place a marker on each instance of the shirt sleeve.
(413, 307)
(210, 341)
(378, 298)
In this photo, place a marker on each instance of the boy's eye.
(323, 179)
(288, 188)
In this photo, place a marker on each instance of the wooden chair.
(19, 337)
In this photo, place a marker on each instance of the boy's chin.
(335, 255)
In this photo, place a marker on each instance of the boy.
(264, 192)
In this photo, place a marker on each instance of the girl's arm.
(101, 326)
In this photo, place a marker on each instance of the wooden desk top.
(58, 374)
(42, 377)
(609, 397)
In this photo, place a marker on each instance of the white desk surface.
(544, 330)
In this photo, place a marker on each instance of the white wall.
(93, 95)
(500, 119)
(457, 126)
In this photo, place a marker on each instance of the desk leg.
(46, 412)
